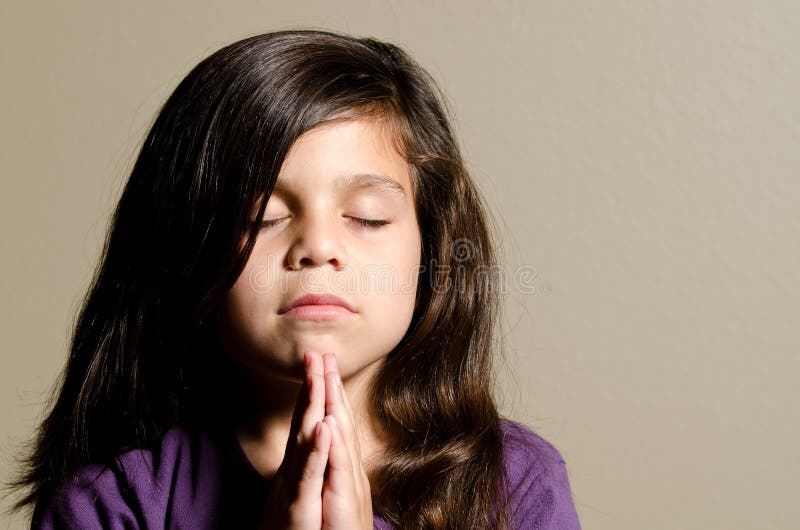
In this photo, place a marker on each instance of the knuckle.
(307, 475)
(309, 471)
(295, 513)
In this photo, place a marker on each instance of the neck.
(262, 409)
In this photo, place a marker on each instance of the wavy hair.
(143, 352)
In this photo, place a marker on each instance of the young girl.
(291, 326)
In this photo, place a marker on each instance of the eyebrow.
(374, 181)
(371, 180)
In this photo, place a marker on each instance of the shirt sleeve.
(174, 485)
(541, 497)
(93, 499)
(546, 503)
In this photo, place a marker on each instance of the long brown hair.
(143, 349)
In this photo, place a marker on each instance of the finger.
(340, 475)
(334, 401)
(359, 472)
(358, 458)
(347, 404)
(335, 404)
(309, 409)
(353, 420)
(315, 382)
(312, 477)
(290, 455)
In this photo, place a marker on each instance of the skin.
(314, 243)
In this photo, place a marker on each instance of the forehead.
(343, 156)
(373, 182)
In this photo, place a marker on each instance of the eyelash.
(368, 223)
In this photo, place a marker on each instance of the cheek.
(259, 281)
(398, 288)
(412, 265)
(244, 315)
(243, 294)
(236, 307)
(399, 260)
(249, 295)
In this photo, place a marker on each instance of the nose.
(316, 241)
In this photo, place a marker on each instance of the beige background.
(641, 156)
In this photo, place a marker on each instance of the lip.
(319, 304)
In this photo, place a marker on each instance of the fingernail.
(333, 421)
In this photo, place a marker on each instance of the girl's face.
(314, 241)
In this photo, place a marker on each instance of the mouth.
(317, 306)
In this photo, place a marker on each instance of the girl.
(291, 325)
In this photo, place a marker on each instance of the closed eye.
(369, 223)
(266, 223)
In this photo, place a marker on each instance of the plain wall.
(641, 158)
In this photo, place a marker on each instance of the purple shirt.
(205, 481)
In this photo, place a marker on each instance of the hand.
(346, 498)
(294, 501)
